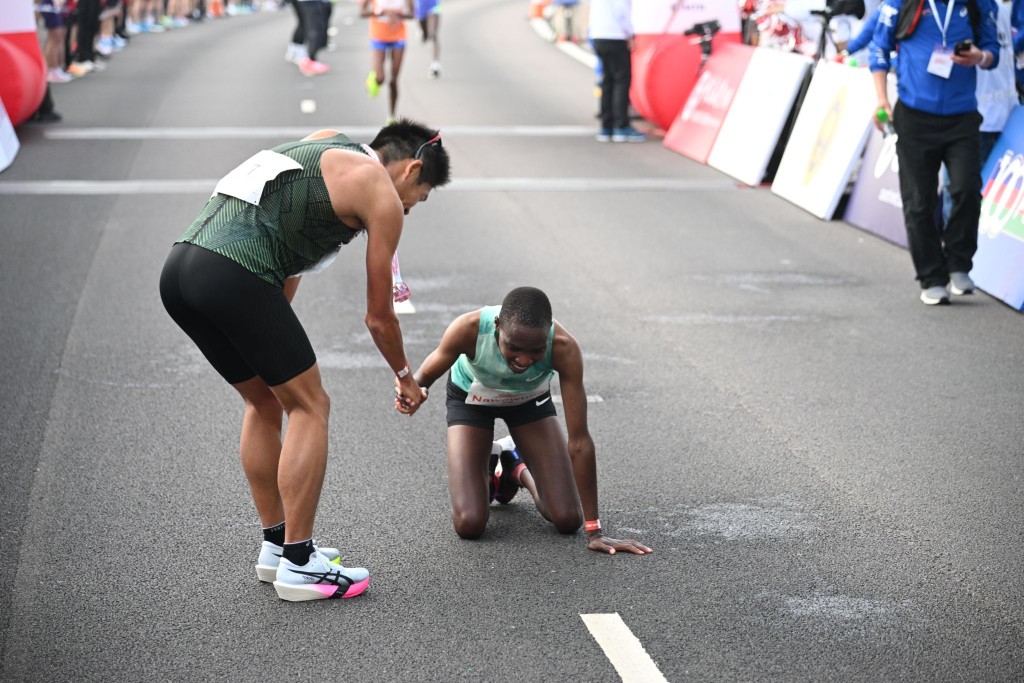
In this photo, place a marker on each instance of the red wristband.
(592, 525)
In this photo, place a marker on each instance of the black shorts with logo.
(462, 413)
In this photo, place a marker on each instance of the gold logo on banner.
(826, 133)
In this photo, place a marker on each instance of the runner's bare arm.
(291, 285)
(380, 210)
(459, 338)
(567, 360)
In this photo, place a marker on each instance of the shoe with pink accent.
(319, 579)
(310, 67)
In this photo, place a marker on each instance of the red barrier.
(22, 75)
(22, 67)
(664, 73)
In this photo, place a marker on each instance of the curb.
(543, 29)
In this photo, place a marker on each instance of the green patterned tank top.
(291, 231)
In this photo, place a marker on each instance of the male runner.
(228, 284)
(502, 359)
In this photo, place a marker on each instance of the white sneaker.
(935, 295)
(960, 283)
(58, 75)
(319, 579)
(506, 443)
(435, 69)
(271, 554)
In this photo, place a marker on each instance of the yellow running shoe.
(372, 86)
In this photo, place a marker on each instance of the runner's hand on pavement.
(603, 544)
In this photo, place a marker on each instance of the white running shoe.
(271, 554)
(960, 283)
(934, 296)
(435, 69)
(319, 579)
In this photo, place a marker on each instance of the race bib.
(941, 63)
(480, 395)
(247, 181)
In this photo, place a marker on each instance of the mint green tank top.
(487, 378)
(293, 228)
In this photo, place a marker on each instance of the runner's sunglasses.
(432, 142)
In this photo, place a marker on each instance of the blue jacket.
(1017, 21)
(917, 88)
(867, 32)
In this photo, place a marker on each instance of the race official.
(937, 120)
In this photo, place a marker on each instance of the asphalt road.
(830, 473)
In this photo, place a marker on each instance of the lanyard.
(935, 15)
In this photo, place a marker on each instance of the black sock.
(274, 534)
(298, 553)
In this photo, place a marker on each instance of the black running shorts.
(462, 413)
(243, 325)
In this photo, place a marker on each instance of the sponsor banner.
(999, 261)
(664, 73)
(695, 128)
(827, 139)
(875, 204)
(656, 16)
(760, 108)
(9, 144)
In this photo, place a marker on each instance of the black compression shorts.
(243, 325)
(462, 413)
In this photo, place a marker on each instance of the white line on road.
(295, 133)
(205, 185)
(623, 649)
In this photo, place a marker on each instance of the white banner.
(655, 16)
(17, 16)
(9, 144)
(828, 138)
(754, 122)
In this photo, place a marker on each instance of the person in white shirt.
(611, 32)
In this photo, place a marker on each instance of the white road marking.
(206, 185)
(295, 133)
(623, 649)
(404, 307)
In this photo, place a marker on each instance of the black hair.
(402, 139)
(526, 306)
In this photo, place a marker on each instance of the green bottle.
(883, 118)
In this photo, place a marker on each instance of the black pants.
(314, 23)
(925, 142)
(299, 36)
(88, 27)
(617, 71)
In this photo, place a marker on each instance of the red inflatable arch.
(22, 67)
(664, 73)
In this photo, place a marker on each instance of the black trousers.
(314, 23)
(925, 142)
(88, 27)
(617, 69)
(299, 36)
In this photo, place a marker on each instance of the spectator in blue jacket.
(937, 120)
(1017, 22)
